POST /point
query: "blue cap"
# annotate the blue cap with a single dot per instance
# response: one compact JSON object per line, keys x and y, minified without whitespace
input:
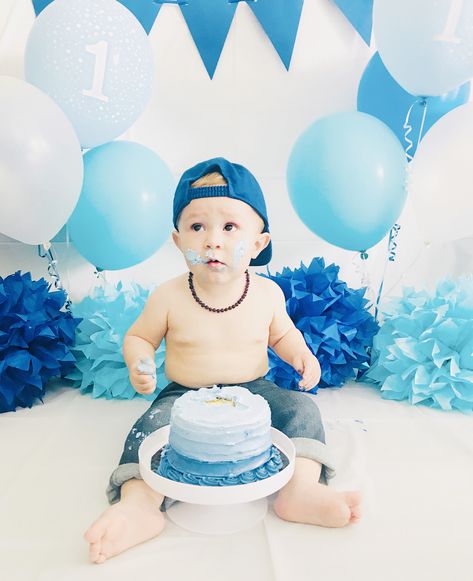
{"x":241,"y":185}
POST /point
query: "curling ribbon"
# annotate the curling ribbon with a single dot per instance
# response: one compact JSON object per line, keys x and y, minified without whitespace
{"x":392,"y":246}
{"x":408,"y":127}
{"x":45,"y":251}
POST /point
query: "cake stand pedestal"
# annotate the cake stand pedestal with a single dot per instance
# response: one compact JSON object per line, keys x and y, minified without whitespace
{"x":215,"y":509}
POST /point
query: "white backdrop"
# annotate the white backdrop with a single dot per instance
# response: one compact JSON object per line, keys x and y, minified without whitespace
{"x":251,"y":112}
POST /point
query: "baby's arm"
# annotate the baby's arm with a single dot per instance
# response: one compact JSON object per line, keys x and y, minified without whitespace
{"x":288,"y":343}
{"x":143,"y":338}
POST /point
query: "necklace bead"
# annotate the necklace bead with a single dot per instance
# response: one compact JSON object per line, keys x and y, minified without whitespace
{"x":213,"y":309}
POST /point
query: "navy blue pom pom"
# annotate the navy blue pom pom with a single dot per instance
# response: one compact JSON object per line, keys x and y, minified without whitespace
{"x":35,"y":339}
{"x":334,"y":320}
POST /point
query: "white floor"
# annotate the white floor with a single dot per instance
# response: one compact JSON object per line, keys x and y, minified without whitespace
{"x":413,"y":464}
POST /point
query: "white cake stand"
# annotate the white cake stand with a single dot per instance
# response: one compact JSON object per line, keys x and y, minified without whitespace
{"x":215,"y":509}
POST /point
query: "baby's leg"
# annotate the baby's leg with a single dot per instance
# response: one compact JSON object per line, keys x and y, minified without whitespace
{"x":304,"y":499}
{"x":135,"y":514}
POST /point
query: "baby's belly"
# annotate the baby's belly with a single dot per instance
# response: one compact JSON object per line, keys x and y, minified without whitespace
{"x":201,"y":370}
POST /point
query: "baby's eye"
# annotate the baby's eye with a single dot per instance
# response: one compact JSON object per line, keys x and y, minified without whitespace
{"x":229,"y":227}
{"x":196,"y":227}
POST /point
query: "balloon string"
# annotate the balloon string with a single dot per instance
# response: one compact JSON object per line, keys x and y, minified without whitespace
{"x":411,"y":265}
{"x":424,"y":105}
{"x":392,"y":247}
{"x":408,"y":127}
{"x":46,"y":251}
{"x":360,"y":263}
{"x":100,"y":274}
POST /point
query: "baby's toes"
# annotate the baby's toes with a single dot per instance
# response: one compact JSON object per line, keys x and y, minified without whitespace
{"x":94,"y":551}
{"x":355,"y":516}
{"x":100,"y":559}
{"x":353,"y":500}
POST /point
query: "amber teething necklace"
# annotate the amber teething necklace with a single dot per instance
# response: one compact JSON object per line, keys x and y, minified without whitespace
{"x":212,"y":309}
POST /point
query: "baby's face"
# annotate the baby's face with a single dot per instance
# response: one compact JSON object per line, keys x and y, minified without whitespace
{"x":219,"y":235}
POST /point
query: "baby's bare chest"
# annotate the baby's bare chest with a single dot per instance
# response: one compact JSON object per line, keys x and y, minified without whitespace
{"x":191,"y":325}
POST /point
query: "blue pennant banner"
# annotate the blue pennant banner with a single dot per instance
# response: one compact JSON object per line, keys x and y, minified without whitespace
{"x":209,"y":22}
{"x":280,"y":20}
{"x":360,"y":14}
{"x":144,"y":10}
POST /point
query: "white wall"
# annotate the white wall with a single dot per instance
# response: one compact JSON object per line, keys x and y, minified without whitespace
{"x":251,"y":112}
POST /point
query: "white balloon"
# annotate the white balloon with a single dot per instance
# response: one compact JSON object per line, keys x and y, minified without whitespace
{"x":41,"y":166}
{"x":441,"y":178}
{"x":426,"y":45}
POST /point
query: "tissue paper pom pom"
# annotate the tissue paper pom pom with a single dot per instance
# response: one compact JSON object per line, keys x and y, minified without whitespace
{"x":35,"y":339}
{"x":100,"y":368}
{"x":333,"y":319}
{"x":424,"y":350}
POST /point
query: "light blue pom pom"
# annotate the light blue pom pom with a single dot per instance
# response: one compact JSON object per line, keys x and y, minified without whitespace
{"x":424,"y":350}
{"x":100,"y":368}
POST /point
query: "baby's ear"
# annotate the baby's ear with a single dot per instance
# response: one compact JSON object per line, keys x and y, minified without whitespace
{"x":176,"y":238}
{"x":262,"y":240}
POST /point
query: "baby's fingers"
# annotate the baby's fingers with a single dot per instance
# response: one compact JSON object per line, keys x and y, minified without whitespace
{"x":308,"y":382}
{"x":143,"y":383}
{"x":147,"y":388}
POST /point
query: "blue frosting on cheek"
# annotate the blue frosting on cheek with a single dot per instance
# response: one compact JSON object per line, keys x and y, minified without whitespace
{"x":193,"y":257}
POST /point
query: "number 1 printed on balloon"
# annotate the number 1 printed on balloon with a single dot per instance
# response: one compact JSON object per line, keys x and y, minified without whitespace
{"x":100,"y":50}
{"x":449,"y":32}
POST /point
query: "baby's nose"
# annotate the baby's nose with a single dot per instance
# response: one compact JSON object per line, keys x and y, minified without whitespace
{"x":213,"y":242}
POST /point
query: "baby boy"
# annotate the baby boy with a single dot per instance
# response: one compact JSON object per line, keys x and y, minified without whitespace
{"x":218,"y":321}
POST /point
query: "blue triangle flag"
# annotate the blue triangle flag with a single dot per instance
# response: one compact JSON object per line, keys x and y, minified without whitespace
{"x":39,"y":5}
{"x":280,"y":20}
{"x":209,"y":22}
{"x":144,"y":10}
{"x":360,"y":14}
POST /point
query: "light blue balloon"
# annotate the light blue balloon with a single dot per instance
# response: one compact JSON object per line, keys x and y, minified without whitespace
{"x":124,"y":213}
{"x":381,"y":96}
{"x":346,"y":179}
{"x":95,"y":60}
{"x":426,"y":45}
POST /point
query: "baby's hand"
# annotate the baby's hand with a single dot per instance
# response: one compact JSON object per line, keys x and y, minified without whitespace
{"x":308,"y":366}
{"x":143,"y":376}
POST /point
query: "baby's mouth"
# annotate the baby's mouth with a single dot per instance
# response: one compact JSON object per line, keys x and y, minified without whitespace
{"x":214,"y":262}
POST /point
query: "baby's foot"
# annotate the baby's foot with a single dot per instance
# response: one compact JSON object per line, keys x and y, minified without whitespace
{"x":124,"y":525}
{"x":318,"y":505}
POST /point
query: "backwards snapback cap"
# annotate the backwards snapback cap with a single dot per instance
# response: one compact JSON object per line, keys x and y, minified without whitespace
{"x":241,"y":185}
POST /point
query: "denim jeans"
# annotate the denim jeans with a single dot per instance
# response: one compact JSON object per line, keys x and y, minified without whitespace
{"x":292,"y":412}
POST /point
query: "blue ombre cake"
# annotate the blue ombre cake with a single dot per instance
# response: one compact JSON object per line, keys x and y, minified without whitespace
{"x":220,"y":437}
